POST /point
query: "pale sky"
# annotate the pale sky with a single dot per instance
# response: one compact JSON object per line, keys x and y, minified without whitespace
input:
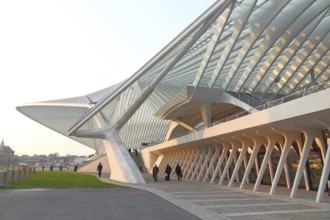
{"x":60,"y":49}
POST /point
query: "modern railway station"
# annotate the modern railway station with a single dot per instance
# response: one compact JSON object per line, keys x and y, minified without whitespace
{"x":239,"y":98}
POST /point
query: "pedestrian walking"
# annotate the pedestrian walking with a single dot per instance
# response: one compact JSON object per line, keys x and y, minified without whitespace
{"x":178,"y":171}
{"x":168,"y":171}
{"x":99,"y":169}
{"x":155,"y":170}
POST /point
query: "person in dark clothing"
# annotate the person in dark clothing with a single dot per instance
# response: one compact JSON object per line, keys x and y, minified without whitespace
{"x":178,"y":171}
{"x":155,"y":172}
{"x":168,"y":171}
{"x":99,"y":169}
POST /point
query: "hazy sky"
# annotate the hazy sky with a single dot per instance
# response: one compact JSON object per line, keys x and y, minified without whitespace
{"x":60,"y":49}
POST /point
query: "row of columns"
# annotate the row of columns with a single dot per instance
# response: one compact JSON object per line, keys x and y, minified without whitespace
{"x":210,"y":162}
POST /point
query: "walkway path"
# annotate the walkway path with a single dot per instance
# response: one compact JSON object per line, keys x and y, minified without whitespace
{"x":220,"y":202}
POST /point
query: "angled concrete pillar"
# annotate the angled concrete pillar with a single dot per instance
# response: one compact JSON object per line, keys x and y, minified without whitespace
{"x":123,"y":168}
{"x":245,"y":166}
{"x":234,"y":147}
{"x":206,"y":161}
{"x":246,"y":143}
{"x":193,"y":164}
{"x":309,"y":138}
{"x":326,"y":166}
{"x":199,"y":162}
{"x":214,"y":157}
{"x":235,"y":162}
{"x":189,"y":162}
{"x":319,"y":139}
{"x":300,"y":147}
{"x":206,"y":114}
{"x":177,"y":161}
{"x":222,"y":157}
{"x":271,"y":168}
{"x":258,"y":141}
{"x":272,"y":140}
{"x":174,"y":161}
{"x":289,"y":137}
{"x":162,"y":165}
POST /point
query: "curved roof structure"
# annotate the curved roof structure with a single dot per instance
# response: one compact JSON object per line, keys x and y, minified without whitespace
{"x":256,"y":51}
{"x":234,"y":57}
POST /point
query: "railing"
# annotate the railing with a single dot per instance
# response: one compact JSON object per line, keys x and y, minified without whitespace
{"x":15,"y":173}
{"x":296,"y":95}
{"x":248,"y":98}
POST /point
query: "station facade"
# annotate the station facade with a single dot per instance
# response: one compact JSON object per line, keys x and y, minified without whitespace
{"x":238,"y":97}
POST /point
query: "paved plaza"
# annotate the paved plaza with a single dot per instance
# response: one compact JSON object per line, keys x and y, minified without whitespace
{"x":220,"y":202}
{"x":87,"y":204}
{"x":161,"y":200}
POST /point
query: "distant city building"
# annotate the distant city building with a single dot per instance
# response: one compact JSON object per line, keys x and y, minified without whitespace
{"x":6,"y":155}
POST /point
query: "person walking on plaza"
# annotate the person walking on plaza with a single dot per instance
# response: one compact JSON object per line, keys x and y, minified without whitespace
{"x":75,"y":168}
{"x":178,"y":171}
{"x":168,"y":171}
{"x":99,"y":169}
{"x":155,"y":172}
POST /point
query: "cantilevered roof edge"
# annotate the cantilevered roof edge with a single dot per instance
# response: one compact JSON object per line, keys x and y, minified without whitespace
{"x":186,"y":32}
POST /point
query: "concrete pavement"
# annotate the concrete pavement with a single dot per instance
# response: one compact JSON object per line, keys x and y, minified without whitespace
{"x":211,"y":201}
{"x":87,"y":204}
{"x":161,"y":200}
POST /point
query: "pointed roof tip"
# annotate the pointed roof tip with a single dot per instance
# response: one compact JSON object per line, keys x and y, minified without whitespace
{"x":2,"y":143}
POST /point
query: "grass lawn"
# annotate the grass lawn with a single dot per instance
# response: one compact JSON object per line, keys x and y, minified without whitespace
{"x":58,"y":180}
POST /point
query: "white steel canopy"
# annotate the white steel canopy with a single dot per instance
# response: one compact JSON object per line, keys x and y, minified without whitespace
{"x":248,"y":51}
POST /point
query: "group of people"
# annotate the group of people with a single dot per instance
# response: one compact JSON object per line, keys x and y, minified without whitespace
{"x":168,"y":171}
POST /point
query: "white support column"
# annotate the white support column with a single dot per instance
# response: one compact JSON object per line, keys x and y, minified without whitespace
{"x":227,"y":171}
{"x":234,"y":147}
{"x":321,"y":144}
{"x":271,"y":168}
{"x":199,"y":162}
{"x":287,"y":174}
{"x":206,"y":114}
{"x":245,"y":166}
{"x":272,"y":140}
{"x":258,"y":141}
{"x":207,"y":160}
{"x":186,"y":160}
{"x":123,"y":168}
{"x":229,"y":162}
{"x":300,"y":147}
{"x":164,"y":161}
{"x":175,"y":162}
{"x":222,"y":157}
{"x":215,"y":156}
{"x":245,"y":145}
{"x":309,"y":138}
{"x":326,"y":167}
{"x":256,"y":164}
{"x":235,"y":162}
{"x":289,"y":137}
{"x":176,"y":159}
{"x":167,"y":158}
{"x":184,"y":156}
{"x":192,"y":166}
{"x":189,"y":162}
